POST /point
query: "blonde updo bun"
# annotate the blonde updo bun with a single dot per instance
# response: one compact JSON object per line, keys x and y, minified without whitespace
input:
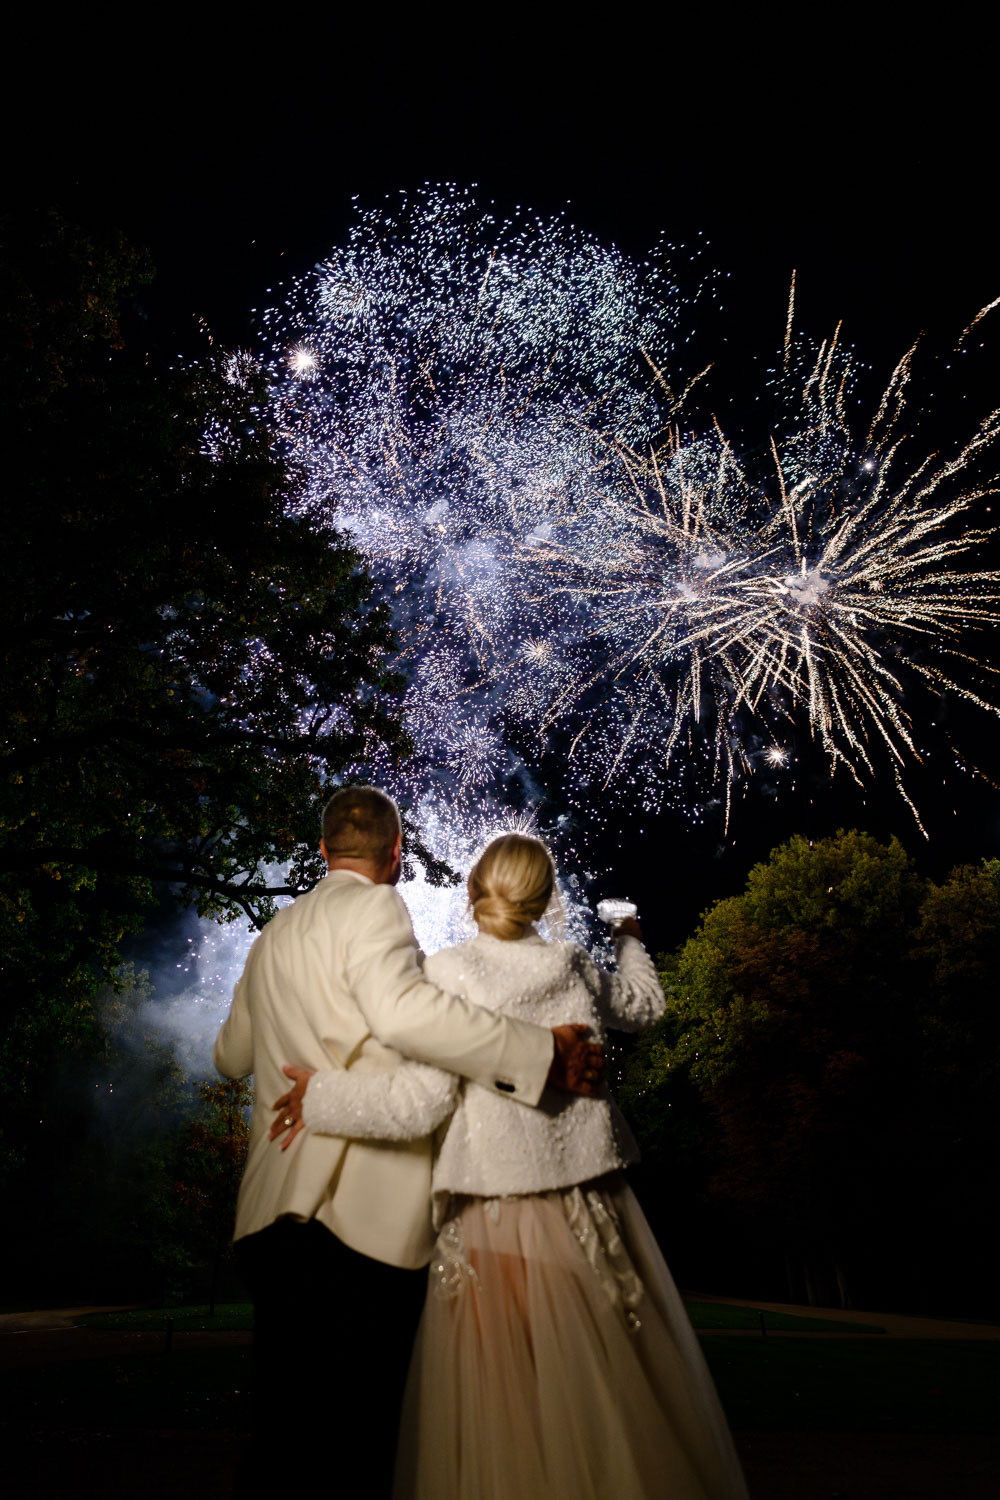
{"x":510,"y":885}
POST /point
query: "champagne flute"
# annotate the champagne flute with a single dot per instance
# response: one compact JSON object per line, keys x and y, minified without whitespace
{"x":614,"y":910}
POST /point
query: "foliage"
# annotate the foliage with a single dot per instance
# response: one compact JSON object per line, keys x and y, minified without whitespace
{"x":832,"y":1046}
{"x":956,"y":950}
{"x":191,"y":656}
{"x":135,"y":1166}
{"x":216,"y":1139}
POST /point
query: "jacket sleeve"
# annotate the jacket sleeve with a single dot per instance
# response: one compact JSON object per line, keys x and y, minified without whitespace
{"x":233,"y":1051}
{"x":632,"y":998}
{"x":402,"y":1104}
{"x":406,"y":1011}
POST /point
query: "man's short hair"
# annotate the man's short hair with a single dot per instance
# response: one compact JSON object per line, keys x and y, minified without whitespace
{"x":360,"y":822}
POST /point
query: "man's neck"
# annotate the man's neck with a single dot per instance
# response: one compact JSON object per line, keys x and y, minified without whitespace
{"x":375,"y":873}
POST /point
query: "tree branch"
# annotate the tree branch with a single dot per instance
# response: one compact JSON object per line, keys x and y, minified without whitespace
{"x":242,"y":892}
{"x":216,"y":737}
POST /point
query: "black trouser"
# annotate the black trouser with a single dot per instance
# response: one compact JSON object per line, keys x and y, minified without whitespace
{"x":333,"y":1332}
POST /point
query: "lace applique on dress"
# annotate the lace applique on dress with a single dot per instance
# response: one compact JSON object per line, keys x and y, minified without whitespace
{"x":451,"y":1270}
{"x":594,"y":1222}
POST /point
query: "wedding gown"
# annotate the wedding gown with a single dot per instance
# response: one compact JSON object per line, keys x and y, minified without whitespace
{"x":554,"y":1357}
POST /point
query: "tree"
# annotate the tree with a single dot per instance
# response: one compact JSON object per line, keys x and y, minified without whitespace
{"x":191,"y":655}
{"x":135,"y":1165}
{"x":795,"y":1020}
{"x":216,"y":1140}
{"x":98,"y":1212}
{"x":956,"y":954}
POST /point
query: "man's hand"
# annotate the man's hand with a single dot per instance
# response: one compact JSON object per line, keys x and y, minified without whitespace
{"x":629,"y":927}
{"x":577,"y":1065}
{"x":290,"y":1105}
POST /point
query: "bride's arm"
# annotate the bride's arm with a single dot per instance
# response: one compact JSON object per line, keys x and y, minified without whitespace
{"x":401,"y":1105}
{"x":398,"y":1105}
{"x":632,"y":998}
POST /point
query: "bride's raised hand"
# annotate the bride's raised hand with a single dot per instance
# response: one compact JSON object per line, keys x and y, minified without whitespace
{"x":289,"y":1123}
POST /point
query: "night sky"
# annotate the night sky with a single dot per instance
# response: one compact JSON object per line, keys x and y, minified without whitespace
{"x":862,"y":159}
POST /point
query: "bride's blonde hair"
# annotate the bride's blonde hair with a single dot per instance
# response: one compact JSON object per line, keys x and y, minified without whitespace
{"x":510,"y":885}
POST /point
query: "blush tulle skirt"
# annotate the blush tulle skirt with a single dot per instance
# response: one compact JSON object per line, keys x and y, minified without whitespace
{"x":555,"y":1361}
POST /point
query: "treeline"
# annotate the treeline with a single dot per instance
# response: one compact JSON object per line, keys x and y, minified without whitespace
{"x":190,"y":658}
{"x":818,"y":1108}
{"x":131,"y":1169}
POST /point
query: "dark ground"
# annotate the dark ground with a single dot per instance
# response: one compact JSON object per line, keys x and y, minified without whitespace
{"x":908,"y":1412}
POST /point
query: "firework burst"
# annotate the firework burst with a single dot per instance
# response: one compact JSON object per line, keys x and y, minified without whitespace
{"x":587,"y":593}
{"x":486,"y":404}
{"x":444,"y":380}
{"x":826,"y":589}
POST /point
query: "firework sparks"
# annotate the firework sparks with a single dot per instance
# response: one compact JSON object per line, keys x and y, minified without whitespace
{"x":716,"y":598}
{"x":484,"y":402}
{"x":474,"y":753}
{"x":444,"y":379}
{"x":302,"y":362}
{"x":489,"y":408}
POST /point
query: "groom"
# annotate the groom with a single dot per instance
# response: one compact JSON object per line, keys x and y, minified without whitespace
{"x":332,"y":1233}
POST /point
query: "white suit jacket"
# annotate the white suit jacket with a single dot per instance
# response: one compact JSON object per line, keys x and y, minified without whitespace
{"x":335,"y":981}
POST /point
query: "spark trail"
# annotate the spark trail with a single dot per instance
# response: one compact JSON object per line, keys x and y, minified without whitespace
{"x":490,"y":407}
{"x":444,"y":380}
{"x":715,"y":597}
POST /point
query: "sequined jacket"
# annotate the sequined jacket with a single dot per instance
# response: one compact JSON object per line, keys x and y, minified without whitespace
{"x":489,"y":1145}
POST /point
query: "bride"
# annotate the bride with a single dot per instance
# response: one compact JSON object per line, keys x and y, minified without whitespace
{"x":554,"y":1356}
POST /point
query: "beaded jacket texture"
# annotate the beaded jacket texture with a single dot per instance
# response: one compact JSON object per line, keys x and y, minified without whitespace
{"x":488,"y":1144}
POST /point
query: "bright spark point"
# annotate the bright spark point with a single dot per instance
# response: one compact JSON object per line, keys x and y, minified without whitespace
{"x":302,"y":362}
{"x":539,"y":652}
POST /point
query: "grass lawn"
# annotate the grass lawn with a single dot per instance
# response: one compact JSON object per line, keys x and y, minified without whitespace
{"x":855,"y":1385}
{"x":718,"y":1315}
{"x":234,"y":1316}
{"x":803,"y":1384}
{"x":195,"y":1389}
{"x":230,"y":1317}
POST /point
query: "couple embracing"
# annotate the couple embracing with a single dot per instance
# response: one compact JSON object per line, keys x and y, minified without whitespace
{"x":452,"y":1113}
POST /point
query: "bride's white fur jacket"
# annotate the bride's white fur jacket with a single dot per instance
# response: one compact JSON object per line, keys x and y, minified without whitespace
{"x":490,"y":1145}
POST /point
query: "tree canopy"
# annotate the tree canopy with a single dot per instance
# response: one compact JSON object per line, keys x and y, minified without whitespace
{"x":831,"y":1047}
{"x":191,"y":654}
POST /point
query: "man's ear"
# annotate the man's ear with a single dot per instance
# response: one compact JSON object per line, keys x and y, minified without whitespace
{"x":322,"y":850}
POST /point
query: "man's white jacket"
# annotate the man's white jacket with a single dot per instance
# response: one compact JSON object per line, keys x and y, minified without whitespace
{"x":335,"y":981}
